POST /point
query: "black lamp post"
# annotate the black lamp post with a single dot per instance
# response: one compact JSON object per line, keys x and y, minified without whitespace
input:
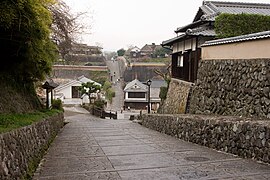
{"x":148,"y":83}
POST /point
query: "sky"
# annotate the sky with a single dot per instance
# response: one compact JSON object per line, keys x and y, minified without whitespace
{"x":116,"y":24}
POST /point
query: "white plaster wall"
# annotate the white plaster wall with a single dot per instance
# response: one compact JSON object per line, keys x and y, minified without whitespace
{"x":85,"y":100}
{"x":67,"y":92}
{"x":256,"y":49}
{"x":189,"y":44}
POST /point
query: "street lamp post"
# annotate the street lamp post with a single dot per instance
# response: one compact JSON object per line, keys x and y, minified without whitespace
{"x":148,"y":83}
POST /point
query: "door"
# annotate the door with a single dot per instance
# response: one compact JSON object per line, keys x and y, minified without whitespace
{"x":75,"y":92}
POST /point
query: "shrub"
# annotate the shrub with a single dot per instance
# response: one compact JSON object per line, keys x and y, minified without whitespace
{"x":110,"y":94}
{"x":99,"y":103}
{"x":57,"y":104}
{"x":229,"y":25}
{"x":106,"y":86}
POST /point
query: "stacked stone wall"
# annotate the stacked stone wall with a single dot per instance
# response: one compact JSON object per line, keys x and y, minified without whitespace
{"x":246,"y":137}
{"x":177,"y":97}
{"x":22,"y":149}
{"x":142,"y":73}
{"x":232,"y":87}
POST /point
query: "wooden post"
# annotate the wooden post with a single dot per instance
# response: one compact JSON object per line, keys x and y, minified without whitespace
{"x":47,"y":98}
{"x":51,"y":97}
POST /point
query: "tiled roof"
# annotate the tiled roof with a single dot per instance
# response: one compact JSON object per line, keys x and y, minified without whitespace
{"x":202,"y":24}
{"x":248,"y":37}
{"x":172,"y":40}
{"x":140,"y":87}
{"x":211,"y":9}
{"x":200,"y":31}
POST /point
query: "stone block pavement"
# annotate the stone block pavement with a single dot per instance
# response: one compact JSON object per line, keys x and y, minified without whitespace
{"x":93,"y":148}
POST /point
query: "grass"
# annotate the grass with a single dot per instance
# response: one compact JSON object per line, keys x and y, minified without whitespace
{"x":9,"y":122}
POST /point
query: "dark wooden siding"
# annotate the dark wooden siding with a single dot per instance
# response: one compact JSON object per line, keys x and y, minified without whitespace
{"x":190,"y":65}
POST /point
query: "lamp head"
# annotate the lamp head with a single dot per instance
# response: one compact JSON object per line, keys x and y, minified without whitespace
{"x":149,"y":82}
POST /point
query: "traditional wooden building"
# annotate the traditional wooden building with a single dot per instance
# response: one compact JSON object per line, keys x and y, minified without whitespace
{"x":148,"y":50}
{"x":133,"y":52}
{"x":136,"y":94}
{"x":84,"y":49}
{"x":186,"y":45}
{"x":69,"y":92}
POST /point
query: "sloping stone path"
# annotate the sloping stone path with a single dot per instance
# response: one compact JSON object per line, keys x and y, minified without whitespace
{"x":92,"y":148}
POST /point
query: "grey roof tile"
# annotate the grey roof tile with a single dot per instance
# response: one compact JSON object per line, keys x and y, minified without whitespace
{"x":216,"y":7}
{"x":248,"y":37}
{"x":200,"y":31}
{"x":209,"y":11}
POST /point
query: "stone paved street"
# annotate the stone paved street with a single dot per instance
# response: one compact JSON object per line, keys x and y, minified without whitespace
{"x":92,"y":148}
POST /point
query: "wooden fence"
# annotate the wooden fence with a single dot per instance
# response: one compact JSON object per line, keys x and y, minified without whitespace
{"x":103,"y":114}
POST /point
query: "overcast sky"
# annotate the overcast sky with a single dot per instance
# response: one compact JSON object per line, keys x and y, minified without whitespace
{"x":117,"y":24}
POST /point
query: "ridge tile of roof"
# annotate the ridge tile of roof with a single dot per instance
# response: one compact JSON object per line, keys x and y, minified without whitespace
{"x":248,"y":37}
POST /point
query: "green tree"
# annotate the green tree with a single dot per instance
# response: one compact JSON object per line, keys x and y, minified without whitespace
{"x":106,"y":86}
{"x":110,"y":93}
{"x":25,"y":45}
{"x":121,"y":52}
{"x":89,"y":88}
{"x":229,"y":25}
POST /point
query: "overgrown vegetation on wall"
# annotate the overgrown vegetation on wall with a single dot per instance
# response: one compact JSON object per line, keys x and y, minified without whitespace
{"x":26,"y":48}
{"x":17,"y":97}
{"x":27,"y":52}
{"x":229,"y":25}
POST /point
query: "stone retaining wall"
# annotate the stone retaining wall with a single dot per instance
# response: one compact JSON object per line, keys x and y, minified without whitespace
{"x":232,"y":87}
{"x":245,"y":137}
{"x":177,"y":97}
{"x":22,"y":149}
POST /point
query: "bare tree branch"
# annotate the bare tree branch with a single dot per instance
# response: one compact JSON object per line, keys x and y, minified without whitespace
{"x":167,"y":75}
{"x":65,"y":27}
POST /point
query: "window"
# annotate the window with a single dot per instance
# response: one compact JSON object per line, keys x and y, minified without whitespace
{"x":180,"y":60}
{"x":136,"y":95}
